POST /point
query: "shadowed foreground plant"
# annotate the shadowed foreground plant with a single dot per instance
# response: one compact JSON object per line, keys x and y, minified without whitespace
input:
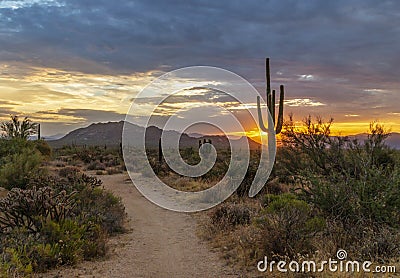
{"x":19,"y":129}
{"x":288,"y":225}
{"x":28,"y":208}
{"x":230,"y":215}
{"x":19,"y":168}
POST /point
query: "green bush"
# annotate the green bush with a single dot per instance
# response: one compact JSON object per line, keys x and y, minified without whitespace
{"x":101,"y":207}
{"x":354,"y":184}
{"x":58,"y":243}
{"x":12,"y":146}
{"x":43,"y":147}
{"x":18,"y":168}
{"x":56,"y":221}
{"x":288,"y":225}
{"x":355,"y":181}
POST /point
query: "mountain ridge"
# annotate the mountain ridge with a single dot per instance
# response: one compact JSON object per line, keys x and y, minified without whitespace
{"x":110,"y":134}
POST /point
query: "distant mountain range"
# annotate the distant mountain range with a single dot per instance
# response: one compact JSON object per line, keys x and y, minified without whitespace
{"x":110,"y":134}
{"x":393,"y":140}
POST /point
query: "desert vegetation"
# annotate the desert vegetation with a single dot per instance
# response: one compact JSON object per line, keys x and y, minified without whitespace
{"x":50,"y":214}
{"x":102,"y":160}
{"x":326,"y":193}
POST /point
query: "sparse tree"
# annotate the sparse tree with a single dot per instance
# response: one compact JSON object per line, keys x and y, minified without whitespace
{"x":15,"y":128}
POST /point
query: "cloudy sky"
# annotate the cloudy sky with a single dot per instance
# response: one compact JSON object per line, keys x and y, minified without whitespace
{"x":69,"y":63}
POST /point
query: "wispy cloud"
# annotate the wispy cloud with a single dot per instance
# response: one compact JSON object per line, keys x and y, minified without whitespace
{"x":19,"y":4}
{"x":305,"y":102}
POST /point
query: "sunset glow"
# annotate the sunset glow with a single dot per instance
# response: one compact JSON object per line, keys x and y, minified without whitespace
{"x":63,"y":79}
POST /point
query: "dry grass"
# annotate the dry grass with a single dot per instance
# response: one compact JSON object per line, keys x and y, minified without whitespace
{"x":3,"y":192}
{"x":184,"y":183}
{"x":243,"y":246}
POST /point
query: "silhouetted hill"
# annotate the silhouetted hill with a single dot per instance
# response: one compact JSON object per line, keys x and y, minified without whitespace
{"x":392,"y":141}
{"x":110,"y":134}
{"x":95,"y":134}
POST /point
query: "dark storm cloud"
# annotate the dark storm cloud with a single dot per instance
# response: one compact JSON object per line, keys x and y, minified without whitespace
{"x":346,"y":46}
{"x":143,"y":35}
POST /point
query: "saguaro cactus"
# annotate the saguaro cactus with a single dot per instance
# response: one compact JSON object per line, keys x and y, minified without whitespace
{"x":160,"y":152}
{"x":38,"y":132}
{"x":271,"y":103}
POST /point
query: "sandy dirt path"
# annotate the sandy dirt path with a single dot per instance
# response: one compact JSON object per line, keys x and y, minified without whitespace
{"x":159,"y":243}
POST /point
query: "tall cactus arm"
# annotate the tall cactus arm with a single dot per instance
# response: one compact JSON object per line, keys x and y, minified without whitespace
{"x":272,"y":108}
{"x":268,"y":76}
{"x":271,"y":96}
{"x":279,"y":123}
{"x":260,"y":119}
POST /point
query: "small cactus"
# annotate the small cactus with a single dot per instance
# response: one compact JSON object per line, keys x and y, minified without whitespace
{"x":271,"y":103}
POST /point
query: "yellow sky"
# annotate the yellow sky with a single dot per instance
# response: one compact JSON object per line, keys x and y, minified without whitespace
{"x":53,"y":96}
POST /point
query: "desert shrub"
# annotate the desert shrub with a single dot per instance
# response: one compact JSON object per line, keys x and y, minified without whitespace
{"x":345,"y":178}
{"x":356,"y":183}
{"x":59,"y":220}
{"x":244,"y":187}
{"x":17,"y":168}
{"x":113,"y":171}
{"x":379,"y":244}
{"x":230,"y":215}
{"x":58,"y":243}
{"x":288,"y":225}
{"x":96,"y":165}
{"x":43,"y":147}
{"x":112,"y":160}
{"x":12,"y":146}
{"x":68,"y":171}
{"x":101,"y":207}
{"x":110,"y":157}
{"x":91,"y":201}
{"x":27,"y":208}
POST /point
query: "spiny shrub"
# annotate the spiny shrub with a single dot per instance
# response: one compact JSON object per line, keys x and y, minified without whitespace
{"x":230,"y":215}
{"x":91,"y":201}
{"x":108,"y":156}
{"x":57,"y":221}
{"x":288,"y":224}
{"x":103,"y":208}
{"x":68,"y":171}
{"x":27,"y":208}
{"x":96,"y":165}
{"x":58,"y":243}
